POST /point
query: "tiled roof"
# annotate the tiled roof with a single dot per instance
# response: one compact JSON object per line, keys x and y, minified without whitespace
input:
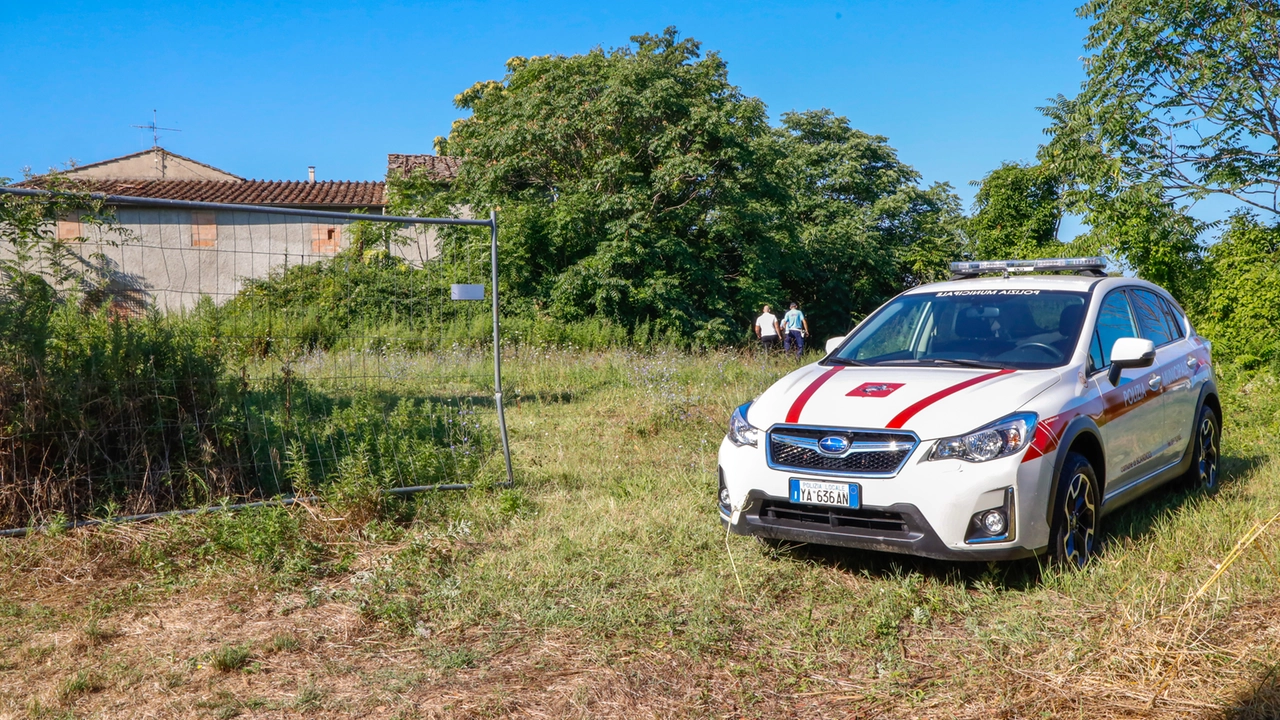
{"x":441,"y":168}
{"x":331,"y":193}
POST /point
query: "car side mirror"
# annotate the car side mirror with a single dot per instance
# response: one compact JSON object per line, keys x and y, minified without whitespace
{"x":1130,"y":352}
{"x":833,"y":343}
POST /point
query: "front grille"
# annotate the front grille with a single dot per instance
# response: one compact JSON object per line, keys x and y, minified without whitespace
{"x":873,"y":453}
{"x":779,"y":512}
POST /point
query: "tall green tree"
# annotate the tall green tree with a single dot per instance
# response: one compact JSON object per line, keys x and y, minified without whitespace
{"x":1183,"y":94}
{"x":863,"y":226}
{"x":1016,"y":213}
{"x":635,"y":184}
{"x":639,"y":185}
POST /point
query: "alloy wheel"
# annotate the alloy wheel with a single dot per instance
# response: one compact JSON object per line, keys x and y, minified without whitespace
{"x":1208,"y":453}
{"x":1079,"y":542}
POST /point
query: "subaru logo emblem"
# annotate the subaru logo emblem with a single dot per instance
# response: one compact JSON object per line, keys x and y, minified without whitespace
{"x":833,"y":445}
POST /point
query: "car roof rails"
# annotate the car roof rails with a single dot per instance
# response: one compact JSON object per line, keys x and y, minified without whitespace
{"x":1088,"y":266}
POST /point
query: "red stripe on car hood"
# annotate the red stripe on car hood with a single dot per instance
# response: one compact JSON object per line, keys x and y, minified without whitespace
{"x":793,"y":415}
{"x":901,"y":418}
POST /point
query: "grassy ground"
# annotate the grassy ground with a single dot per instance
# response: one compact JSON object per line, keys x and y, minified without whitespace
{"x":603,"y":585}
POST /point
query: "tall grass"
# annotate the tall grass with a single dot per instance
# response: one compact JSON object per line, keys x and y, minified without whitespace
{"x":102,"y":411}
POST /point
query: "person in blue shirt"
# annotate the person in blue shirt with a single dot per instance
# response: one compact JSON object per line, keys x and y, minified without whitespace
{"x":795,"y":328}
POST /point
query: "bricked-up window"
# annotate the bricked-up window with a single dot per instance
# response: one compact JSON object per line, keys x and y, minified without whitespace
{"x":325,"y":239}
{"x":204,"y":229}
{"x":70,"y":227}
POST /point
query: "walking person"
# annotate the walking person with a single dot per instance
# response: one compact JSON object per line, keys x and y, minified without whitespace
{"x":767,"y":329}
{"x":795,"y":329}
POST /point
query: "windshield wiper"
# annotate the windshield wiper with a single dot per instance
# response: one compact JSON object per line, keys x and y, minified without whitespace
{"x":845,"y":361}
{"x":970,"y":363}
{"x":952,"y":361}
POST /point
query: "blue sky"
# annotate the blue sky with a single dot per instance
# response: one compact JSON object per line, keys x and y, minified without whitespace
{"x":266,"y":89}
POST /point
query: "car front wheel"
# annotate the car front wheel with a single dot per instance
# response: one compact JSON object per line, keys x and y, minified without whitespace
{"x":1077,"y":533}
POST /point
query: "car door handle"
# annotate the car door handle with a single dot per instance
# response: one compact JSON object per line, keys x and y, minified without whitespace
{"x":1193,"y":363}
{"x":1155,"y":382}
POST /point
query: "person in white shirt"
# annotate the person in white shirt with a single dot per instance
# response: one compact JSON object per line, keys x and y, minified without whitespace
{"x":795,"y":327}
{"x":767,"y":329}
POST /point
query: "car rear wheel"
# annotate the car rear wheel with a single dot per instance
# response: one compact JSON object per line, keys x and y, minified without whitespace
{"x":1206,"y":451}
{"x":1077,"y":536}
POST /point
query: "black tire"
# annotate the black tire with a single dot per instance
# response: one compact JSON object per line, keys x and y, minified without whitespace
{"x":1077,"y":530}
{"x":1206,"y":452}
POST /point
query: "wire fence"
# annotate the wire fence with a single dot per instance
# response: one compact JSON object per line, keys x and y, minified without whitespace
{"x":169,"y":355}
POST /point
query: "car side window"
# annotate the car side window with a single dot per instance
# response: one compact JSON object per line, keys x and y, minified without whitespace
{"x":1152,"y":317}
{"x":1115,"y":321}
{"x":1175,"y":319}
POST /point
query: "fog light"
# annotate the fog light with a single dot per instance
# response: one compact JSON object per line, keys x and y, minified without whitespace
{"x":993,"y":522}
{"x":724,"y":496}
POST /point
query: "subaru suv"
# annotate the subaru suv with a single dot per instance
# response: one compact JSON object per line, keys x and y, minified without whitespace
{"x":995,"y":416}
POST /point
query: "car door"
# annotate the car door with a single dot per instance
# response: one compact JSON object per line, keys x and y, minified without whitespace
{"x":1131,"y":418}
{"x":1169,"y":376}
{"x":1176,"y":365}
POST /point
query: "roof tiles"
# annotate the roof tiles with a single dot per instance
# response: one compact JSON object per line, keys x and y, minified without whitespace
{"x":331,"y":193}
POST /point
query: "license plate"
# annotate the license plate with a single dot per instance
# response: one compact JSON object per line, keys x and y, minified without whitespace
{"x":817,"y":492}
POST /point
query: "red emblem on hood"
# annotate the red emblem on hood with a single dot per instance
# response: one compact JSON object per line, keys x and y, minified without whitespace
{"x":874,"y":389}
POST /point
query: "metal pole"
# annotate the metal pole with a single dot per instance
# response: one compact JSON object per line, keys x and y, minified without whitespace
{"x":497,"y":346}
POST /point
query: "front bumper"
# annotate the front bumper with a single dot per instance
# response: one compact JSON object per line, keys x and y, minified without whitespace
{"x":898,"y":528}
{"x":924,"y":509}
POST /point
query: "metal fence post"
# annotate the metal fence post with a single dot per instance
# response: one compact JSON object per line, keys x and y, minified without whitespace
{"x":497,"y":346}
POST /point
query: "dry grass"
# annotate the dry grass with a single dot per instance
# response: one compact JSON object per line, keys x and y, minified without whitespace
{"x":602,"y":587}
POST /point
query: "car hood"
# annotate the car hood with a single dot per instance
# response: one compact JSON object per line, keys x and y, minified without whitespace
{"x":933,"y":402}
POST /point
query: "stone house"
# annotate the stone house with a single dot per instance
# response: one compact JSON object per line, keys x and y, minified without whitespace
{"x":170,"y":257}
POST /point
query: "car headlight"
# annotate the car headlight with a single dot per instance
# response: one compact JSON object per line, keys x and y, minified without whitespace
{"x":999,"y":439}
{"x":742,"y":432}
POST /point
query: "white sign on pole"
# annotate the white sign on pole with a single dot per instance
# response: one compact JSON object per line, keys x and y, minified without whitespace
{"x":466,"y":292}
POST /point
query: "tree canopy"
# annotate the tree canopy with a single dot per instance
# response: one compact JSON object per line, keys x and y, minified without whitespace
{"x":1016,"y":213}
{"x":1183,"y":94}
{"x":639,"y":185}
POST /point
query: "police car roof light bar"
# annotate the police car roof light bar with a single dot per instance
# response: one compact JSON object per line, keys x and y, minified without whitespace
{"x":1093,"y":266}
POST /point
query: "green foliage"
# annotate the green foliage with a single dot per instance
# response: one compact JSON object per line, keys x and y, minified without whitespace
{"x":1179,"y":103}
{"x":100,"y":410}
{"x":1131,"y":220}
{"x":1240,"y":308}
{"x":863,"y":227}
{"x":639,"y":187}
{"x":230,"y":658}
{"x":1016,"y":214}
{"x":635,"y":184}
{"x":1181,"y":94}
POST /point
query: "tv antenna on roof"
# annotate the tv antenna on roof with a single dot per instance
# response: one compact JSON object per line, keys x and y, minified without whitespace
{"x":155,"y":130}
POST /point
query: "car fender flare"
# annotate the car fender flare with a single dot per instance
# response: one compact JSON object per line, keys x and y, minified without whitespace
{"x":1081,"y":425}
{"x":1209,"y":388}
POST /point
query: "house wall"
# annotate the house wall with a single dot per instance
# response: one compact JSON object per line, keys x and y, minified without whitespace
{"x":170,"y":262}
{"x":153,"y":165}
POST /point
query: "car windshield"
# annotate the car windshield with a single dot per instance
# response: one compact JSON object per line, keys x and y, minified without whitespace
{"x":1021,"y":329}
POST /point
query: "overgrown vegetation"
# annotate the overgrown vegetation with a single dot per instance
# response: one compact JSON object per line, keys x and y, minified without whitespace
{"x":603,"y":585}
{"x":638,"y":186}
{"x":105,"y":410}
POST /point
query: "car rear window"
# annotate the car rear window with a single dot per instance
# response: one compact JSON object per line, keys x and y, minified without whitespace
{"x":1153,"y":317}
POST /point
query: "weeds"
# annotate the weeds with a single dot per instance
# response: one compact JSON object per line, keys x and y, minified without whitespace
{"x":601,"y":584}
{"x":82,"y":683}
{"x":230,"y":658}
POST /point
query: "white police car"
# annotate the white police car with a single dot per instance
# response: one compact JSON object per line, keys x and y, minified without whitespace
{"x":983,"y":418}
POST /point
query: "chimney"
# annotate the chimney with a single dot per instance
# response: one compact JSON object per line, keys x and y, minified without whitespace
{"x":311,"y":173}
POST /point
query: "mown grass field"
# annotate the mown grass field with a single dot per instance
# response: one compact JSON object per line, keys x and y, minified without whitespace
{"x":603,"y":585}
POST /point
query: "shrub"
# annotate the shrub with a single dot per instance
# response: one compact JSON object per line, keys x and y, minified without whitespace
{"x":102,"y":410}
